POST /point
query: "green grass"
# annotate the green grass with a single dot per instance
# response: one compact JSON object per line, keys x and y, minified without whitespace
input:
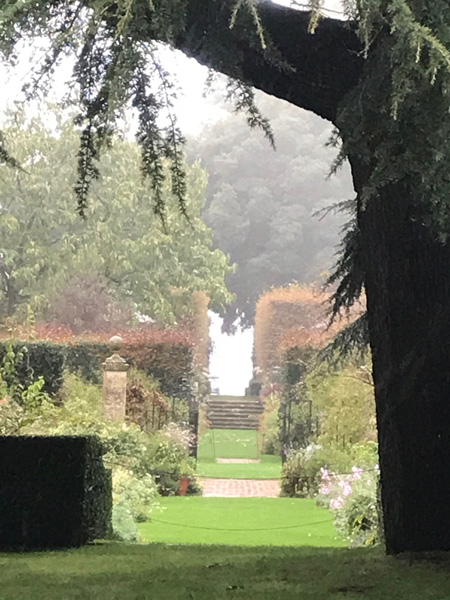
{"x":253,"y":521}
{"x":268,"y":468}
{"x":229,"y":443}
{"x":159,"y":572}
{"x":235,"y":443}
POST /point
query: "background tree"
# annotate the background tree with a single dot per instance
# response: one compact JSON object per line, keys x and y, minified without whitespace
{"x":262,"y":205}
{"x":120,"y":260}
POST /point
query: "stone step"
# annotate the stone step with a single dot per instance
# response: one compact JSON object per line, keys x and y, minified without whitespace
{"x":234,"y":411}
{"x":233,"y":426}
{"x":252,"y":422}
{"x":234,"y":419}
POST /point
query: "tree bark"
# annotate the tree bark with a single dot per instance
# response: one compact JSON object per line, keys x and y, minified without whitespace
{"x":408,"y":289}
{"x":319,"y":68}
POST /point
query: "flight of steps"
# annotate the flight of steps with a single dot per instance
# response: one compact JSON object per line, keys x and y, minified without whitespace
{"x":234,"y":412}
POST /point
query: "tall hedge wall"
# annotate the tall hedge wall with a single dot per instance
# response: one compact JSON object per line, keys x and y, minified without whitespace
{"x":54,"y":492}
{"x":169,"y":363}
{"x":40,"y":359}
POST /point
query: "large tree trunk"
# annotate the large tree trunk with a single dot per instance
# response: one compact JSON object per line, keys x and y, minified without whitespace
{"x":407,"y":269}
{"x":407,"y":281}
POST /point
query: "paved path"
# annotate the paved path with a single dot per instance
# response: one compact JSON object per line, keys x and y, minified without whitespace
{"x":240,"y":488}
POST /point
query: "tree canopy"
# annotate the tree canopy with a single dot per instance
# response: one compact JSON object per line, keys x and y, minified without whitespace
{"x":267,"y":208}
{"x":120,"y":256}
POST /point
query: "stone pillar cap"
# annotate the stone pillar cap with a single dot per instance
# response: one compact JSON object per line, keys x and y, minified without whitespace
{"x":115,"y":363}
{"x":115,"y":342}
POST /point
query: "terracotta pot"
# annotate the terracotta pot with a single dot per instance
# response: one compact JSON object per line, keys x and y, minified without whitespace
{"x":184,"y":482}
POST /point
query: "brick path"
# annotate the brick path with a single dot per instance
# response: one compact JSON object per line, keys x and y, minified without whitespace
{"x":240,"y":488}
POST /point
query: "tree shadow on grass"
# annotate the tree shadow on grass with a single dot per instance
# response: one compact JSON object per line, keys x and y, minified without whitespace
{"x":157,"y":571}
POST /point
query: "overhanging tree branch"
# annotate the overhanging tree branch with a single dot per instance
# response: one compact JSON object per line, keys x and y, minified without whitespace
{"x":317,"y":69}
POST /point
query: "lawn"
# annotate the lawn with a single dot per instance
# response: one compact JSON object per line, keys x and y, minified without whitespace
{"x":159,"y":572}
{"x":241,"y":521}
{"x":235,"y":443}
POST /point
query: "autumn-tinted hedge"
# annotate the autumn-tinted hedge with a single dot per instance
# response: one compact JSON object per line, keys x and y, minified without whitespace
{"x":54,"y":492}
{"x":282,"y":310}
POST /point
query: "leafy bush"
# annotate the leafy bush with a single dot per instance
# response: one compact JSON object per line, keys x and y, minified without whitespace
{"x":269,"y":423}
{"x":137,"y":494}
{"x":138,"y":460}
{"x":345,"y":402}
{"x":19,"y":405}
{"x":168,"y":455}
{"x":133,"y":499}
{"x":148,"y":407}
{"x":301,"y":473}
{"x":124,"y":528}
{"x":352,"y":497}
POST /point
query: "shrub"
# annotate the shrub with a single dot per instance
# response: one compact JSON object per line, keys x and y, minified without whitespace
{"x":123,"y":446}
{"x":124,"y":528}
{"x":170,"y":363}
{"x":269,"y":423}
{"x":133,"y":500}
{"x":345,"y":402}
{"x":301,"y":473}
{"x":86,"y":359}
{"x":148,"y":407}
{"x":168,"y":458}
{"x":67,"y":476}
{"x":352,"y":497}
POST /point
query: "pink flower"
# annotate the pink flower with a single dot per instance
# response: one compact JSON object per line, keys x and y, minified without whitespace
{"x":346,"y":487}
{"x":356,"y":473}
{"x":325,"y":474}
{"x":337,"y":502}
{"x":325,"y":490}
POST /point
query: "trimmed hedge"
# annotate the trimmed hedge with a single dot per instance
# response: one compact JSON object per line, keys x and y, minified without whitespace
{"x":54,"y":492}
{"x":40,"y":359}
{"x":171,"y":364}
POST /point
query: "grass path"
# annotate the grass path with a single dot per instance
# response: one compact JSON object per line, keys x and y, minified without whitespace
{"x":159,"y":572}
{"x":241,"y":521}
{"x":235,"y":443}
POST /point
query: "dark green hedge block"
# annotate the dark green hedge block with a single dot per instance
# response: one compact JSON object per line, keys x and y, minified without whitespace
{"x":86,"y":360}
{"x":54,"y":492}
{"x":40,"y":359}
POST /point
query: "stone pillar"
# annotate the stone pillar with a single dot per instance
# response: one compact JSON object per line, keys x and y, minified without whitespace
{"x":115,"y":382}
